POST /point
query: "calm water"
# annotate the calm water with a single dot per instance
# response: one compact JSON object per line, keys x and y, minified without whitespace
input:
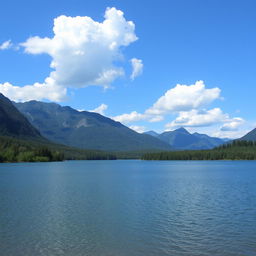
{"x":116,"y":208}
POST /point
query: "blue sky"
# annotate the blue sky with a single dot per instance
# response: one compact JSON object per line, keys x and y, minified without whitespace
{"x":171,"y":42}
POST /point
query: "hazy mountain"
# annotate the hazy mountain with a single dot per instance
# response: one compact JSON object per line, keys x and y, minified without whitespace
{"x":152,"y":133}
{"x":181,"y":139}
{"x":85,"y":129}
{"x":13,"y":123}
{"x":211,"y":141}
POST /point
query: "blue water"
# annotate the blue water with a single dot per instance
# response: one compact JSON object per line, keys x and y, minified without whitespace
{"x":119,"y":208}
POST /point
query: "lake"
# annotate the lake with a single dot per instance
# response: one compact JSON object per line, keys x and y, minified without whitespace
{"x":128,"y":208}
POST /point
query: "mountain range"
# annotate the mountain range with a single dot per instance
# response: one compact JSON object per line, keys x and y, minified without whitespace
{"x":86,"y":130}
{"x":47,"y":122}
{"x":181,"y":139}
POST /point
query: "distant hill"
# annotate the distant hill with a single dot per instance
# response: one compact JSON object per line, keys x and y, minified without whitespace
{"x":181,"y":139}
{"x":86,"y":129}
{"x":13,"y":123}
{"x":250,"y":136}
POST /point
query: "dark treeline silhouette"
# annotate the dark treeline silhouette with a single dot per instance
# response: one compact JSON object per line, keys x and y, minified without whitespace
{"x":235,"y":150}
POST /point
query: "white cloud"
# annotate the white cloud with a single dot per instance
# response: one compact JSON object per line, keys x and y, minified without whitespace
{"x":155,"y":119}
{"x":230,"y":134}
{"x":206,"y":118}
{"x":134,"y":116}
{"x":6,"y":45}
{"x":184,"y":98}
{"x":177,"y":99}
{"x":128,"y":118}
{"x":215,"y":131}
{"x":189,"y":103}
{"x":137,"y":68}
{"x":33,"y":92}
{"x":84,"y":52}
{"x":196,"y":118}
{"x":139,"y":129}
{"x":237,"y":127}
{"x":100,"y":109}
{"x":233,"y":125}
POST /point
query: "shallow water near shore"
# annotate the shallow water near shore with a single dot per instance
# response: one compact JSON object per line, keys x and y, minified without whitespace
{"x":128,"y":207}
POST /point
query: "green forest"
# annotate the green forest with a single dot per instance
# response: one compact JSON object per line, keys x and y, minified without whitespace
{"x":235,"y":150}
{"x":19,"y":150}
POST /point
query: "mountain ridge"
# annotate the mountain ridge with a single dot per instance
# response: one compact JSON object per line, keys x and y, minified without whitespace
{"x":85,"y":129}
{"x":250,"y":136}
{"x":181,"y":139}
{"x":13,"y":123}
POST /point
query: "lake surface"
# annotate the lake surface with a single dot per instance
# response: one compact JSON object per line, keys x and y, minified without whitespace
{"x":119,"y":208}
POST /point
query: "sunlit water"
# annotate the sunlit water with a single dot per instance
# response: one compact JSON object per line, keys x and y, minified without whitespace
{"x":117,"y":208}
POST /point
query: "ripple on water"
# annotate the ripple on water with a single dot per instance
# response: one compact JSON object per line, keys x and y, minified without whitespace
{"x":128,"y":208}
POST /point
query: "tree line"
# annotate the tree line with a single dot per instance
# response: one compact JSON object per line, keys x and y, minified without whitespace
{"x":235,"y":150}
{"x":19,"y":150}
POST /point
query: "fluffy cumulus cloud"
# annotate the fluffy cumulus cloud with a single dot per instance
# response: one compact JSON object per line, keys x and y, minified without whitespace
{"x":84,"y":52}
{"x":224,"y":125}
{"x":131,"y":117}
{"x":184,"y":98}
{"x":189,"y":104}
{"x":37,"y":91}
{"x":198,"y":118}
{"x":100,"y":109}
{"x":177,"y":99}
{"x":137,"y":68}
{"x":232,"y":134}
{"x":6,"y":45}
{"x":233,"y":124}
{"x":155,"y":119}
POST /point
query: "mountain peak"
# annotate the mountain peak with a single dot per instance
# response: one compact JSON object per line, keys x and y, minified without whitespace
{"x":182,"y":129}
{"x":181,"y":139}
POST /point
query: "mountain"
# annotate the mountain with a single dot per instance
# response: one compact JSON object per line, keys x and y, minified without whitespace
{"x":250,"y":136}
{"x":181,"y":139}
{"x":13,"y":123}
{"x":86,"y":130}
{"x":152,"y":133}
{"x":21,"y":142}
{"x":211,"y":141}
